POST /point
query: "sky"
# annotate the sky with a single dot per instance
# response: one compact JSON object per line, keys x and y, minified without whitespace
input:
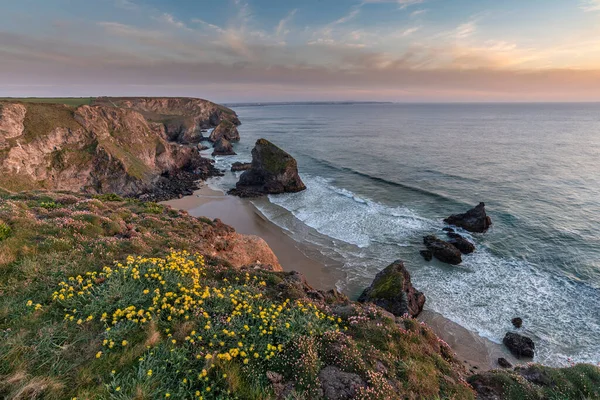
{"x":309,"y":50}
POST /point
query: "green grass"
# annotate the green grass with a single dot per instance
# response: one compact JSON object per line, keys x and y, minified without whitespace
{"x":46,"y":352}
{"x":69,"y":101}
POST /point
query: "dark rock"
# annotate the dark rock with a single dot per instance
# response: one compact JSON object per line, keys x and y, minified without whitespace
{"x":202,"y":147}
{"x":517,"y":322}
{"x":225,"y":130}
{"x":339,"y":385}
{"x":504,"y":363}
{"x":474,"y":220}
{"x":240,"y":166}
{"x":461,"y":243}
{"x":222,"y":147}
{"x":519,"y":345}
{"x":447,"y":229}
{"x":443,"y":251}
{"x":273,"y":171}
{"x":427,"y":255}
{"x":393,"y":291}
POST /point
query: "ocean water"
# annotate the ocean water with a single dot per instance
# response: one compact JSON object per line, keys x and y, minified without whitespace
{"x":381,"y":176}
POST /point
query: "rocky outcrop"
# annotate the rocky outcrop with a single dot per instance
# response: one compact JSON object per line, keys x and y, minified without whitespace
{"x":504,"y":363}
{"x":339,"y":385}
{"x":443,"y":251}
{"x":226,"y":130}
{"x":519,"y":345}
{"x":184,"y":119}
{"x":462,"y":244}
{"x":517,"y":322}
{"x":240,"y":166}
{"x":273,"y":171}
{"x":93,"y":149}
{"x":474,"y":220}
{"x":223,"y":148}
{"x":393,"y":291}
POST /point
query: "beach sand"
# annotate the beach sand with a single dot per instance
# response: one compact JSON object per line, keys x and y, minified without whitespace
{"x":477,"y":353}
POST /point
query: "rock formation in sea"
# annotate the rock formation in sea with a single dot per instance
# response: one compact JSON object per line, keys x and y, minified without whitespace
{"x":474,"y":220}
{"x":226,"y":130}
{"x":519,"y":345}
{"x":393,"y":291}
{"x":443,"y":251}
{"x":240,"y":166}
{"x":273,"y":171}
{"x":223,"y":147}
{"x":517,"y":322}
{"x":127,"y":146}
{"x":461,"y":243}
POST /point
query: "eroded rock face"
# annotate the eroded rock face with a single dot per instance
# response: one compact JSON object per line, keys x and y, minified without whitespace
{"x":443,"y":251}
{"x":273,"y":171}
{"x":339,"y":385}
{"x":226,"y":130}
{"x":519,"y":345}
{"x":474,"y":220}
{"x":92,"y":149}
{"x":223,"y":148}
{"x":393,"y":291}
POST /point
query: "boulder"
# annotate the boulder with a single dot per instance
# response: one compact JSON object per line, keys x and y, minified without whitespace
{"x":474,"y":220}
{"x":517,"y":322}
{"x":519,"y":345}
{"x":427,"y":255}
{"x":272,"y":171}
{"x":240,"y":166}
{"x":339,"y":385}
{"x":504,"y":363}
{"x":225,"y":130}
{"x":462,"y":244}
{"x":443,"y":251}
{"x":393,"y":291}
{"x":223,"y":148}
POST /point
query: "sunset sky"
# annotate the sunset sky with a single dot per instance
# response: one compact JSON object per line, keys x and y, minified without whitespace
{"x":275,"y":50}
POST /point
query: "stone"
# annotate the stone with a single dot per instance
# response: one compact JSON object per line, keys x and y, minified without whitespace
{"x":519,"y":345}
{"x":461,"y":243}
{"x":339,"y":385}
{"x":223,"y":147}
{"x":225,"y":130}
{"x":240,"y":166}
{"x":517,"y":322}
{"x":393,"y":291}
{"x":504,"y":363}
{"x":474,"y":220}
{"x":443,"y":251}
{"x":427,"y":255}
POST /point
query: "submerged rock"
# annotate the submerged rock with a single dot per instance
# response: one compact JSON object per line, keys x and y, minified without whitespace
{"x":427,"y":254}
{"x":225,"y":130}
{"x":240,"y":166}
{"x":272,"y":171}
{"x":393,"y":291}
{"x":223,"y":148}
{"x":519,"y":345}
{"x":517,"y":322}
{"x":462,"y":244}
{"x":474,"y":220}
{"x":443,"y":251}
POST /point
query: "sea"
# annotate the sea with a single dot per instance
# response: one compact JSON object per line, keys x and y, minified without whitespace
{"x":381,"y":176}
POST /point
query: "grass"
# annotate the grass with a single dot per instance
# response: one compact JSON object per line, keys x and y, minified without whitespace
{"x":95,"y":305}
{"x":69,"y":101}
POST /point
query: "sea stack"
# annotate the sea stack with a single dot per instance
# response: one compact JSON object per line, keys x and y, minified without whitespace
{"x":272,"y":171}
{"x":393,"y":291}
{"x":474,"y":220}
{"x":225,"y":130}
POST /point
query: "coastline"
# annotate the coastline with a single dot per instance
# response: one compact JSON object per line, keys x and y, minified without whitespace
{"x":477,"y":353}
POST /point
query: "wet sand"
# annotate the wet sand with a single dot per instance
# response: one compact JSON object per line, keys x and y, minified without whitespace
{"x":477,"y":353}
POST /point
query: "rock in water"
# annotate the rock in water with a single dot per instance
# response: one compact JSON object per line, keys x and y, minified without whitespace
{"x":443,"y":251}
{"x":226,"y":130}
{"x":504,"y":363}
{"x":426,"y":254}
{"x":393,"y":291}
{"x":223,"y":148}
{"x":240,"y":166}
{"x":474,"y":220}
{"x":517,"y":322}
{"x":519,"y":345}
{"x":273,"y":171}
{"x":461,"y":243}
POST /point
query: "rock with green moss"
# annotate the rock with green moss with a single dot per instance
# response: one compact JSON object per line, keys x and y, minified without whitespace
{"x":273,"y":171}
{"x":225,"y":130}
{"x":393,"y":291}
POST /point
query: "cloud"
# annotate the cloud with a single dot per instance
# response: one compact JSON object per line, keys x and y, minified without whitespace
{"x":416,"y":13}
{"x":590,"y":5}
{"x":402,"y":3}
{"x":170,"y":20}
{"x":281,"y":30}
{"x":126,"y":5}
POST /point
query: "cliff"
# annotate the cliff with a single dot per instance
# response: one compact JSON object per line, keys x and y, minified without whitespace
{"x":127,"y":146}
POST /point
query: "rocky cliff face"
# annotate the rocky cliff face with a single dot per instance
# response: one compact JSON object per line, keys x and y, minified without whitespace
{"x":124,"y":146}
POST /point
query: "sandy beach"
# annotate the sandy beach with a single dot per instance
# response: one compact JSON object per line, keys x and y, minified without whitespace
{"x":476,"y":352}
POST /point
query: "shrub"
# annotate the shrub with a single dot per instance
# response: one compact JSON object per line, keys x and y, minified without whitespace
{"x":4,"y":231}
